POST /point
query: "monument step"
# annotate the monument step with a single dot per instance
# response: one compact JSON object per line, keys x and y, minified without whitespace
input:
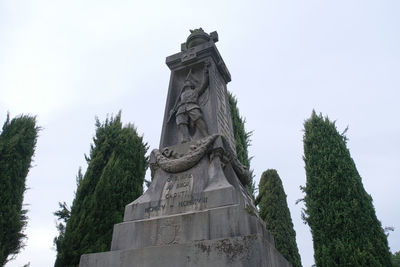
{"x":244,"y":251}
{"x":222,"y":222}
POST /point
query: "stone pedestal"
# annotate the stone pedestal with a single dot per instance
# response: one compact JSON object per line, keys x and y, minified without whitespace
{"x":202,"y":216}
{"x":197,"y":210}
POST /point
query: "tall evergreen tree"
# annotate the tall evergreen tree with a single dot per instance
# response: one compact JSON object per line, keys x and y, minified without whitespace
{"x":17,"y":146}
{"x":242,"y":138}
{"x":274,"y":211}
{"x":114,"y":177}
{"x":396,"y":259}
{"x":340,"y":213}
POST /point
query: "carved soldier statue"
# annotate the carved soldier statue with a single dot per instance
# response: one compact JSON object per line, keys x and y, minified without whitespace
{"x":187,"y":110}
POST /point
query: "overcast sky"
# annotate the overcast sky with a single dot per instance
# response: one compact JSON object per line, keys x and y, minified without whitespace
{"x":69,"y":61}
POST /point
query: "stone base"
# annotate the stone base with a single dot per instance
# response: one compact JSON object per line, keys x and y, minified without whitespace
{"x":223,"y":222}
{"x":226,"y":236}
{"x":245,"y":251}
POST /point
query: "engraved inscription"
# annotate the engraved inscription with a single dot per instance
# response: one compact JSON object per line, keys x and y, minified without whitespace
{"x":177,"y":194}
{"x":154,"y":208}
{"x":192,"y":201}
{"x":178,"y":186}
{"x":223,"y":112}
{"x":189,"y":55}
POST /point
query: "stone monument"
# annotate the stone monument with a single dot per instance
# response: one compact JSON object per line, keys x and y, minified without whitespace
{"x":197,"y":210}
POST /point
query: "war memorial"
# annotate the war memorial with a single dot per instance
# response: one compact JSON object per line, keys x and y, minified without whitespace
{"x":197,"y":210}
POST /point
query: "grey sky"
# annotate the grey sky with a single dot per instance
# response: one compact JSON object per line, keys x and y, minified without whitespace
{"x":68,"y":61}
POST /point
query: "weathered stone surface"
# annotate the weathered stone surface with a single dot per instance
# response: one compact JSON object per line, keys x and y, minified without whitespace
{"x":211,"y":183}
{"x":223,"y":222}
{"x":197,"y":210}
{"x":243,"y":251}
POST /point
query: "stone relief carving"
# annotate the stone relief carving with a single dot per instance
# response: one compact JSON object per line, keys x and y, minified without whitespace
{"x":188,"y":114}
{"x":168,"y":232}
{"x":182,"y":157}
{"x":172,"y":161}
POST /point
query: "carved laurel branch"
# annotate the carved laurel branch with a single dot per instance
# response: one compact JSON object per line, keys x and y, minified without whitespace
{"x":187,"y":161}
{"x":167,"y":162}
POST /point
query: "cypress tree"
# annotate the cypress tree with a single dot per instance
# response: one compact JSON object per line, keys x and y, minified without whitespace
{"x":340,"y":213}
{"x":242,"y":138}
{"x":17,"y":146}
{"x":396,"y":259}
{"x":274,"y":211}
{"x":114,"y":177}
